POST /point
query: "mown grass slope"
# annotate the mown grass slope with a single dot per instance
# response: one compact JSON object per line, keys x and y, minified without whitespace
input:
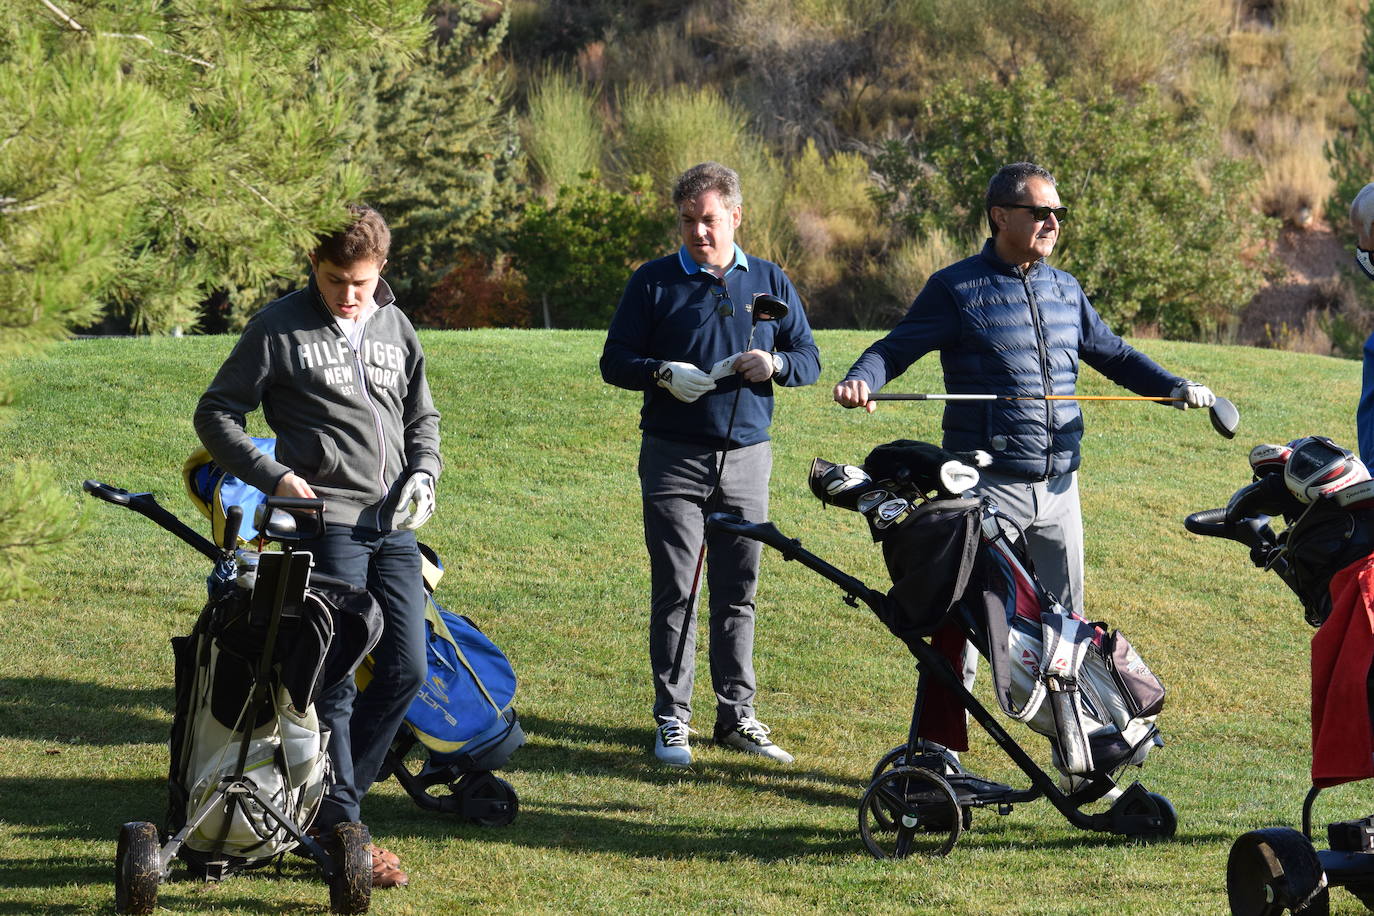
{"x":538,"y":523}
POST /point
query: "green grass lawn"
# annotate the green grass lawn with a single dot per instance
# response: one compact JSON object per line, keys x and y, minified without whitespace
{"x":538,"y":524}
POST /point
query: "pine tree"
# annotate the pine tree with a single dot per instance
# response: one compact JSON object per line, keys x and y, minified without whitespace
{"x":440,"y":146}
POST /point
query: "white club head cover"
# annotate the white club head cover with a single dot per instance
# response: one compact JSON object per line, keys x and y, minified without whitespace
{"x":415,"y":504}
{"x":1191,"y":394}
{"x":957,"y":477}
{"x":684,"y":381}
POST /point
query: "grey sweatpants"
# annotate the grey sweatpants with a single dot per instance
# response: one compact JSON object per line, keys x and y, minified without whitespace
{"x":676,"y":482}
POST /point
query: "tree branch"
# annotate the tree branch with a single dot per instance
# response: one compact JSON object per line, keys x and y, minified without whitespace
{"x":78,"y":27}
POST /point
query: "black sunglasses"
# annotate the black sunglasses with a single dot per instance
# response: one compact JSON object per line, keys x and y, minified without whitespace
{"x":1040,"y":214}
{"x":724,"y":307}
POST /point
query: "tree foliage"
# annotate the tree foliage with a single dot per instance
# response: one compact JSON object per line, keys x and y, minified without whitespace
{"x":577,"y":252}
{"x":1352,"y":154}
{"x":438,"y":143}
{"x":153,"y":153}
{"x":1162,"y":226}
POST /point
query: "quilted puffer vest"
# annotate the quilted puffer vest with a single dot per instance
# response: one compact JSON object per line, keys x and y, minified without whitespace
{"x":1019,"y":335}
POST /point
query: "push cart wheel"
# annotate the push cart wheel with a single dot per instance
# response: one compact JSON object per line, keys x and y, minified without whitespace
{"x":138,"y":868}
{"x":1162,"y":810}
{"x":893,"y":758}
{"x":909,"y":811}
{"x":350,"y":887}
{"x":1275,"y":871}
{"x":492,"y":794}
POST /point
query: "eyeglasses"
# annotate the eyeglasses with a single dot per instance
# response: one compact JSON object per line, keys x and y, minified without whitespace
{"x":1040,"y":214}
{"x":724,"y":307}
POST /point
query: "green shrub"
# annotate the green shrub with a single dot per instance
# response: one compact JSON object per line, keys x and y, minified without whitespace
{"x":1162,"y":229}
{"x":577,"y":252}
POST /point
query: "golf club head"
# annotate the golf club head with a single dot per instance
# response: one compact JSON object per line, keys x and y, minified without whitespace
{"x":767,"y":307}
{"x":1225,"y":417}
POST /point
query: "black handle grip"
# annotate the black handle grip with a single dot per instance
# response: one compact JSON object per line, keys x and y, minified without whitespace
{"x":108,"y":493}
{"x":1209,"y":523}
{"x":233,"y":521}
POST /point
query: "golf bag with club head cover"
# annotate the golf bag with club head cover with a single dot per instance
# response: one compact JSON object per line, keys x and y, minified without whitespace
{"x":248,"y":765}
{"x":961,"y":577}
{"x":463,"y":718}
{"x":1325,"y":555}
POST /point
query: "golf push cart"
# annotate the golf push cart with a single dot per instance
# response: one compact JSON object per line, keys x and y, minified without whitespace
{"x":960,"y":576}
{"x":248,"y":766}
{"x":1325,"y":497}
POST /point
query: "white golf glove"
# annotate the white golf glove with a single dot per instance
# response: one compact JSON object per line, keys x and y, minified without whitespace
{"x":1191,"y":394}
{"x":684,"y":381}
{"x":415,"y":504}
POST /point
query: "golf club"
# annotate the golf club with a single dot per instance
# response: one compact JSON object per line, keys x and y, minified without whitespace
{"x":1225,"y":418}
{"x":765,"y":307}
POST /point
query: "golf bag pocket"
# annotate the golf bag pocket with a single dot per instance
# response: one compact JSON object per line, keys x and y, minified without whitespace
{"x":464,"y":712}
{"x":1140,"y":692}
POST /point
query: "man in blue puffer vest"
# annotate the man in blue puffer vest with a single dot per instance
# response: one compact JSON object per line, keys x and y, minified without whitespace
{"x":1008,"y":324}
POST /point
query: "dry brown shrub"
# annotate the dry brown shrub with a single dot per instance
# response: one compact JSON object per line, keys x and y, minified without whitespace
{"x":1296,"y":176}
{"x":477,"y":293}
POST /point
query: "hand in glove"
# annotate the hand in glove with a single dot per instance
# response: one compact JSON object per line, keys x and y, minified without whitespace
{"x":415,"y":504}
{"x":684,"y":381}
{"x":1191,"y":394}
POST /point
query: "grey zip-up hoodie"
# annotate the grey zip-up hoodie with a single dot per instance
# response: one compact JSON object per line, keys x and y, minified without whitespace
{"x":353,"y":423}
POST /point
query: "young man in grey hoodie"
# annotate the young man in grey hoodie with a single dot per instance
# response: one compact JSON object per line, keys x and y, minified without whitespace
{"x":340,"y":377}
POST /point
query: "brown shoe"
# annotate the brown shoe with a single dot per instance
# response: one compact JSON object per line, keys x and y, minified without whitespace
{"x":381,"y":855}
{"x":385,"y":876}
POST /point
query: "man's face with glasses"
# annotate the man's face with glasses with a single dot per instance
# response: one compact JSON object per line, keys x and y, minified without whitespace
{"x":708,"y":230}
{"x":1028,"y":229}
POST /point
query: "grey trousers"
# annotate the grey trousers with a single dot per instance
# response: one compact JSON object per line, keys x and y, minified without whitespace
{"x":1049,"y":512}
{"x":676,"y":482}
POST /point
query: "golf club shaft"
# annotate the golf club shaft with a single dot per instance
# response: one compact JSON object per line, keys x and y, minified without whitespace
{"x":941,"y":396}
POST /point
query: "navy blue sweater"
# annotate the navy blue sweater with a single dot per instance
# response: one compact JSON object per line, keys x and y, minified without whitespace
{"x":1003,"y":332}
{"x":670,"y":311}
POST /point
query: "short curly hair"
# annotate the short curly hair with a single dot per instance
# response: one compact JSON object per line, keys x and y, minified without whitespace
{"x":365,"y":238}
{"x":708,"y":176}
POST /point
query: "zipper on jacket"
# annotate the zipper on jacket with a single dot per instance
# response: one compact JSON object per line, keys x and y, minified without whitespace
{"x":1045,"y":380}
{"x":361,"y":373}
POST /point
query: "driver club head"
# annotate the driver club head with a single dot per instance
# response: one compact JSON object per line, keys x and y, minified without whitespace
{"x":1225,"y":417}
{"x":767,"y":307}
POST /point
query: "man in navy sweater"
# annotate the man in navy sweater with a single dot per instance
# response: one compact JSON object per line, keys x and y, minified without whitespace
{"x":679,"y":335}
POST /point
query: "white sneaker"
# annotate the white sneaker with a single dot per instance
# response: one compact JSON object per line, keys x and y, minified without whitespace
{"x":751,"y":736}
{"x":670,"y":743}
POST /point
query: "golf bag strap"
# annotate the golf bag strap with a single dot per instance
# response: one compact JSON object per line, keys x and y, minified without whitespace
{"x":1066,"y":641}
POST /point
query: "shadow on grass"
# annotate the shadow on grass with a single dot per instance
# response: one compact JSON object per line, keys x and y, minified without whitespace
{"x":625,"y":752}
{"x":82,"y":712}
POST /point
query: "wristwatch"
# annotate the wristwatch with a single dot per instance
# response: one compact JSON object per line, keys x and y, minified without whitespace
{"x":778,"y":363}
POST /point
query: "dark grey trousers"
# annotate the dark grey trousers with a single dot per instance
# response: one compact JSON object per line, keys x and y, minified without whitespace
{"x":676,"y":482}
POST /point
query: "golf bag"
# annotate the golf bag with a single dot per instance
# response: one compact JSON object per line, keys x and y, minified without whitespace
{"x":463,"y":718}
{"x":961,"y":573}
{"x":248,"y":766}
{"x":218,"y":703}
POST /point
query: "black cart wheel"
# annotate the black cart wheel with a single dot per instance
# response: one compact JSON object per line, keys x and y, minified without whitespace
{"x":909,"y":811}
{"x":893,"y":758}
{"x":1275,"y":871}
{"x":1161,"y":811}
{"x":138,"y":868}
{"x":493,"y":797}
{"x":350,"y":888}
